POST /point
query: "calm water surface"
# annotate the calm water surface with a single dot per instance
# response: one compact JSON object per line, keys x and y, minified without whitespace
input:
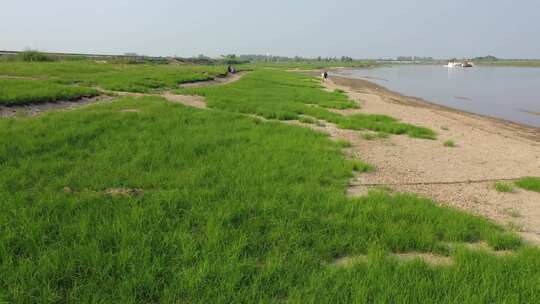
{"x":504,"y":92}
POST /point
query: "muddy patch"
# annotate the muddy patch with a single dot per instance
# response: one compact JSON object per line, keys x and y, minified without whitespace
{"x":36,"y":109}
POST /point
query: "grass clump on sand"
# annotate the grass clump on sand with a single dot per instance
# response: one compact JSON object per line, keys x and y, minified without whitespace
{"x":227,"y":209}
{"x":529,"y":183}
{"x":449,"y":143}
{"x":372,"y":136}
{"x":23,"y":91}
{"x":307,"y":120}
{"x":276,"y":94}
{"x":360,"y":166}
{"x":344,"y":143}
{"x":504,"y":187}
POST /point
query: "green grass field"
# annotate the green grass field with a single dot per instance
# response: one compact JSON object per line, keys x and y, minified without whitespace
{"x":275,"y":94}
{"x":118,"y":77}
{"x":169,"y":204}
{"x":23,"y":91}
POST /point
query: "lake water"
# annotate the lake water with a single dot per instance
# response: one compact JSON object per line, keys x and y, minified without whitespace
{"x":505,"y":92}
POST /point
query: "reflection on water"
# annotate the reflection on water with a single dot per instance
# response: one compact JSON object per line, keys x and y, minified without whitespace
{"x":505,"y":92}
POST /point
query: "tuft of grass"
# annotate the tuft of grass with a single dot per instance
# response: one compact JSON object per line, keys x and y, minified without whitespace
{"x":307,"y":120}
{"x":344,"y":143}
{"x":504,"y":187}
{"x":368,"y":136}
{"x":360,"y":166}
{"x":512,"y":212}
{"x":444,"y":128}
{"x":33,"y":56}
{"x":372,"y":136}
{"x":529,"y":183}
{"x":449,"y":143}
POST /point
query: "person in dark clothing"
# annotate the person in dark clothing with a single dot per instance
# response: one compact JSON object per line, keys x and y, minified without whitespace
{"x":325,"y":76}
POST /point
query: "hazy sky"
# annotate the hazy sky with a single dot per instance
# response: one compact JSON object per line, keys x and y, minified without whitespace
{"x":361,"y":29}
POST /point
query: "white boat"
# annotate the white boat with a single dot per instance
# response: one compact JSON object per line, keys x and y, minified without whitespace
{"x":454,"y":65}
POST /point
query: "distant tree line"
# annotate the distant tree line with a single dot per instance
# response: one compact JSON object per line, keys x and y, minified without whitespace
{"x":486,"y":58}
{"x":134,"y":58}
{"x":272,"y":58}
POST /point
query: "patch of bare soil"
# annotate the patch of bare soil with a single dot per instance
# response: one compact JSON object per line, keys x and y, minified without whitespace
{"x":488,"y":150}
{"x":480,"y":246}
{"x":127,"y":192}
{"x":217,"y":81}
{"x":428,"y":257}
{"x":36,"y":109}
{"x":130,"y":110}
{"x":188,"y":100}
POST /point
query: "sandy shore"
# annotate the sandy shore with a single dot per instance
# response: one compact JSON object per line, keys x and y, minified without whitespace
{"x":487,"y":150}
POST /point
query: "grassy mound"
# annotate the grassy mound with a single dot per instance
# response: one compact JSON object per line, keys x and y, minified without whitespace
{"x":22,"y":91}
{"x":275,"y":94}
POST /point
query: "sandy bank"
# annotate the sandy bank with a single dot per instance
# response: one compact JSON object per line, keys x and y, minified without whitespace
{"x":487,"y":150}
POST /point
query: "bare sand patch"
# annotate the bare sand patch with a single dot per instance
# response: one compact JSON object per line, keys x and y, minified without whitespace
{"x":188,"y":100}
{"x":487,"y":150}
{"x":429,"y":258}
{"x":127,"y":192}
{"x":130,"y":110}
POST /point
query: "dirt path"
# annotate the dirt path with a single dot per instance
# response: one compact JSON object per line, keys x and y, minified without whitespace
{"x":217,"y":81}
{"x":487,"y":150}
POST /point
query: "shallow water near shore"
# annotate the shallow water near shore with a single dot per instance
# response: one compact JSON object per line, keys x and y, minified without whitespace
{"x":504,"y":92}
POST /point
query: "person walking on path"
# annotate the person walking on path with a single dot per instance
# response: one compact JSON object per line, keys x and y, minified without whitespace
{"x":325,"y":76}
